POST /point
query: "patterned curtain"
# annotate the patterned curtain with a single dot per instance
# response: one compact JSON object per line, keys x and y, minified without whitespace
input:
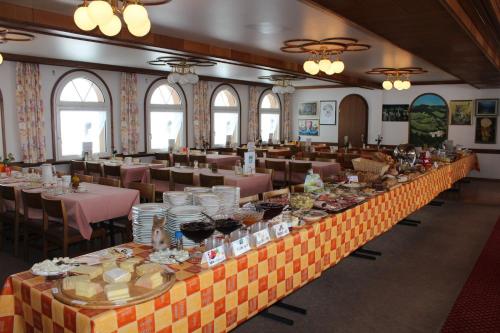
{"x":129,"y":114}
{"x":253,"y":114}
{"x":29,"y":109}
{"x":287,"y":116}
{"x":201,"y":117}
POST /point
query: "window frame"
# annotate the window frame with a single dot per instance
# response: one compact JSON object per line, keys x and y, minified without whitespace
{"x":224,"y":109}
{"x":261,"y":111}
{"x":57,"y":105}
{"x":157,"y":107}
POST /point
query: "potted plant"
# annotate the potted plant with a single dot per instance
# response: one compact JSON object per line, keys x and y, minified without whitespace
{"x":6,"y":164}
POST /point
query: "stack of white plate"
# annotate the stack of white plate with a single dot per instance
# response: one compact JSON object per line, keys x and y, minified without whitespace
{"x":180,"y":215}
{"x":210,"y":201}
{"x":177,"y":198}
{"x":197,"y":189}
{"x":229,"y":197}
{"x":142,"y":220}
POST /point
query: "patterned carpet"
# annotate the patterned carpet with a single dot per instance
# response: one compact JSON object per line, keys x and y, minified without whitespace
{"x":477,"y":308}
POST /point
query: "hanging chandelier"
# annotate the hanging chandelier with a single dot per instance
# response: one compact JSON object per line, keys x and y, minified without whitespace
{"x":183,"y":68}
{"x":282,"y":83}
{"x":324,"y":54}
{"x":397,"y":78}
{"x":105,"y":14}
{"x":7,"y":35}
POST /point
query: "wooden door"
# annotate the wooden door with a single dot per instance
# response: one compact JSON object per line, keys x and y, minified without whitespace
{"x":353,"y":120}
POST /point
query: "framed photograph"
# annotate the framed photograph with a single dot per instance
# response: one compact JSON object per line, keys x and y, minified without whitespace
{"x":461,"y":112}
{"x":395,"y":112}
{"x":308,"y":109}
{"x":309,"y":127}
{"x":486,"y":130}
{"x":428,"y":119}
{"x":486,"y":107}
{"x":328,"y":112}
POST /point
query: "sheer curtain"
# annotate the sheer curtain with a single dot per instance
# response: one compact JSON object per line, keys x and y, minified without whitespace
{"x":30,"y":113}
{"x":201,"y":114}
{"x":129,"y":114}
{"x":287,"y":116}
{"x":253,"y":114}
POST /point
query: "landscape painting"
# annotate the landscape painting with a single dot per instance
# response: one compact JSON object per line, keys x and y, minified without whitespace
{"x":308,"y":109}
{"x":461,"y":112}
{"x":486,"y":107}
{"x":428,"y":120}
{"x":395,"y":112}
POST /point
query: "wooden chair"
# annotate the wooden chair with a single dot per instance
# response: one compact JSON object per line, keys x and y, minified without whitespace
{"x":32,"y":226}
{"x":300,"y":169}
{"x":241,"y":152}
{"x":209,"y":181}
{"x":9,"y":218}
{"x":275,"y":193}
{"x":297,"y":188}
{"x":159,"y":175}
{"x":252,"y":198}
{"x":110,"y":182}
{"x":227,"y":153}
{"x":162,"y":156}
{"x":165,"y":163}
{"x":182,"y":178}
{"x":199,"y":158}
{"x":278,"y":166}
{"x":147,"y":191}
{"x":86,"y":178}
{"x":94,"y":169}
{"x":203,"y":165}
{"x":112,"y":171}
{"x":259,"y":153}
{"x":181,"y":158}
{"x":328,"y":155}
{"x":264,"y":170}
{"x":322,"y":159}
{"x":57,"y":230}
{"x":77,"y":167}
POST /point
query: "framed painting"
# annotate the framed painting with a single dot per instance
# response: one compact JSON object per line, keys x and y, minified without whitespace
{"x":428,"y":120}
{"x":461,"y":112}
{"x":486,"y":130}
{"x":309,"y":109}
{"x":487,"y":107}
{"x":395,"y":112}
{"x":309,"y":127}
{"x":328,"y":112}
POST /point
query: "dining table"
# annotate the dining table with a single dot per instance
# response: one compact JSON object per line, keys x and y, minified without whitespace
{"x":218,"y":159}
{"x":324,"y":169}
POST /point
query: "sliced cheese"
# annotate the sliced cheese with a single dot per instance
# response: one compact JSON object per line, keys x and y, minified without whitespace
{"x":116,"y":275}
{"x":87,"y":289}
{"x":129,"y":264}
{"x":70,"y":281}
{"x":91,"y":271}
{"x":150,"y":280}
{"x":148,"y":268}
{"x":109,"y":264}
{"x":116,"y":291}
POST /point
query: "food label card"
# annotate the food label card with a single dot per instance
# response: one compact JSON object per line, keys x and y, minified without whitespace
{"x":281,"y":229}
{"x":353,"y":179}
{"x":240,"y":246}
{"x":261,"y":237}
{"x":214,"y":256}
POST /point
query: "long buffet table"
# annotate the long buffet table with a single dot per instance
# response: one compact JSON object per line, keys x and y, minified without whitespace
{"x":220,"y":298}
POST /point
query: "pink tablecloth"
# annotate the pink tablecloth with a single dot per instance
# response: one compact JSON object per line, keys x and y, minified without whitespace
{"x":251,"y":185}
{"x":133,"y":173}
{"x":324,"y":169}
{"x":222,"y":160}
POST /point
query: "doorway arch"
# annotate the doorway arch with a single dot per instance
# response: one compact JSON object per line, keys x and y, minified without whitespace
{"x":353,"y":120}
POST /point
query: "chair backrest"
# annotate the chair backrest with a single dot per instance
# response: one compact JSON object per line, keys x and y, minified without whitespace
{"x":86,"y":178}
{"x":94,"y":168}
{"x":276,"y":165}
{"x":147,"y":191}
{"x":7,"y":192}
{"x":299,"y":167}
{"x":297,"y":188}
{"x":112,"y":170}
{"x":260,"y":153}
{"x":228,"y":153}
{"x":31,"y":200}
{"x":264,"y":170}
{"x":162,"y":156}
{"x":279,"y":154}
{"x":322,"y":159}
{"x":77,"y":167}
{"x":209,"y":181}
{"x":184,"y":178}
{"x":199,"y":158}
{"x":241,"y":152}
{"x":275,"y":193}
{"x":165,"y":163}
{"x":252,"y":198}
{"x":159,"y":174}
{"x":181,"y":158}
{"x":110,"y":182}
{"x":54,"y":209}
{"x":328,"y":155}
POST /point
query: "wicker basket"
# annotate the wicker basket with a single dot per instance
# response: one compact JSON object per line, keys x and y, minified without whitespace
{"x":363,"y":164}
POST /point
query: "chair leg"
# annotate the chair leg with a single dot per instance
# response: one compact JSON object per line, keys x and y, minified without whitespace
{"x":45,"y":248}
{"x":1,"y":235}
{"x":16,"y":239}
{"x":65,"y":249}
{"x":25,"y":241}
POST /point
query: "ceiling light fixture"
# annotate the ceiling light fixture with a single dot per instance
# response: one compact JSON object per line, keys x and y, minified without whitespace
{"x":7,"y":35}
{"x":397,"y":78}
{"x":183,"y":68}
{"x":324,"y":54}
{"x":282,"y":83}
{"x":105,"y":14}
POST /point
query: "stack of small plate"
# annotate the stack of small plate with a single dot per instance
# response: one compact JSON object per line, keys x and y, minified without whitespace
{"x":142,"y":220}
{"x":177,"y":198}
{"x":197,"y":189}
{"x":210,"y":201}
{"x":180,"y":215}
{"x":229,"y":197}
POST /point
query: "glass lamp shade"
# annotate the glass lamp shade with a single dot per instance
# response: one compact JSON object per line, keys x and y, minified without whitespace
{"x":1,"y":58}
{"x":140,"y":30}
{"x":100,"y":12}
{"x":82,"y":19}
{"x":398,"y":84}
{"x":314,"y":68}
{"x":192,"y":78}
{"x":135,"y":15}
{"x":324,"y":65}
{"x":289,"y":89}
{"x":173,"y":78}
{"x":338,"y":66}
{"x":308,"y":66}
{"x":406,"y":84}
{"x":113,"y":27}
{"x":387,"y":85}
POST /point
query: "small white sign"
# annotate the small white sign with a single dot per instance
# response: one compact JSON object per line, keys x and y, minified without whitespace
{"x":240,"y":246}
{"x":261,"y":237}
{"x":281,"y":230}
{"x":353,"y":179}
{"x":214,"y":256}
{"x":251,"y":146}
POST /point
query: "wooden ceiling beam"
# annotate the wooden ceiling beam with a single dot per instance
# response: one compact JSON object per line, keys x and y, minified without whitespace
{"x":45,"y":22}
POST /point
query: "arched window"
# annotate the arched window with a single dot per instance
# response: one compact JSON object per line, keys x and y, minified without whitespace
{"x":166,"y":108}
{"x":83,"y":115}
{"x":269,"y":116}
{"x":225,"y":116}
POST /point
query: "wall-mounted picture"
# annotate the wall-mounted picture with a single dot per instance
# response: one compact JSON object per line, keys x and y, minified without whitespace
{"x":309,"y":127}
{"x":486,"y":130}
{"x":428,"y":120}
{"x":328,"y":112}
{"x":461,"y":112}
{"x":395,"y":112}
{"x":308,"y":109}
{"x":486,"y":107}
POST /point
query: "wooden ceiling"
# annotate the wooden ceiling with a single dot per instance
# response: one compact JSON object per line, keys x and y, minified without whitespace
{"x":461,"y":37}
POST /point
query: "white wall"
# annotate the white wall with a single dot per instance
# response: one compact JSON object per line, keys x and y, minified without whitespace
{"x":397,"y":132}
